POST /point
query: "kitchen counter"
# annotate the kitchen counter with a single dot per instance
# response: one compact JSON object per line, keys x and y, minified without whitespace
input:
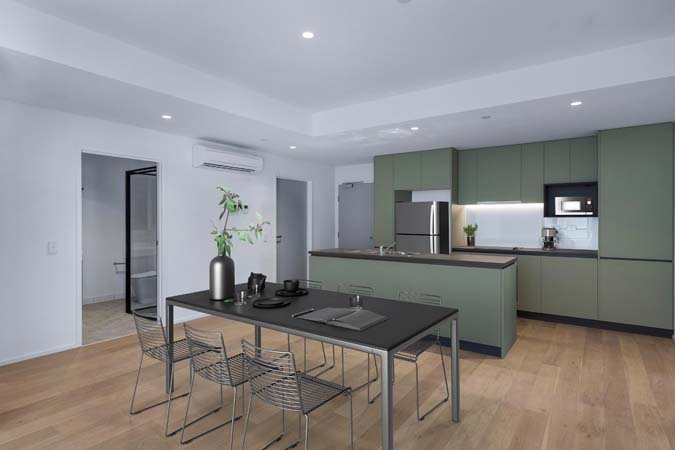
{"x":565,"y":252}
{"x":463,"y":260}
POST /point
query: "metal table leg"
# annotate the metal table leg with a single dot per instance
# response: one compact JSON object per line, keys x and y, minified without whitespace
{"x":387,"y":400}
{"x":169,"y":338}
{"x":258,"y":337}
{"x":455,"y":369}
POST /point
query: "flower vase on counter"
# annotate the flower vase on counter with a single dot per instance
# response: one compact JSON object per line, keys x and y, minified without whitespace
{"x":470,"y":231}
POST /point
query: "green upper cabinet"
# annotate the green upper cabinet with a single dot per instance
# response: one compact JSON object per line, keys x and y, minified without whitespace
{"x":436,"y":169}
{"x":383,"y":207}
{"x":408,"y":171}
{"x":636,"y":192}
{"x":584,"y":159}
{"x":532,"y":173}
{"x":557,"y":162}
{"x":499,"y":174}
{"x":571,"y":160}
{"x":467,"y":184}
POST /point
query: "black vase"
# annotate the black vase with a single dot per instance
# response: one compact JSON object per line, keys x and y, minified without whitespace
{"x":471,"y":241}
{"x":221,"y":278}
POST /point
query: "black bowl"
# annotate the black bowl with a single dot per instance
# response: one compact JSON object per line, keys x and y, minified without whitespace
{"x":291,"y":285}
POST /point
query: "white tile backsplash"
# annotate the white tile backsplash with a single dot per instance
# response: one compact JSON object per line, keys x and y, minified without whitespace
{"x":519,"y":225}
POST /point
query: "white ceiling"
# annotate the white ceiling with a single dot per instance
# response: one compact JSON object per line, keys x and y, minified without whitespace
{"x":365,"y":49}
{"x":239,"y":72}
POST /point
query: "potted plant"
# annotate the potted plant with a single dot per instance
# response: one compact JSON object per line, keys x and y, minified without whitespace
{"x":221,"y":269}
{"x":470,"y":231}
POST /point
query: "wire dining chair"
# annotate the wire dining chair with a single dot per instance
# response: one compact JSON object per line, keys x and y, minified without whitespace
{"x":274,"y":380}
{"x":154,"y":344}
{"x":209,"y":360}
{"x":414,"y":351}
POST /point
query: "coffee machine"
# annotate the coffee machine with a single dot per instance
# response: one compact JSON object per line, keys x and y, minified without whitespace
{"x":550,"y":237}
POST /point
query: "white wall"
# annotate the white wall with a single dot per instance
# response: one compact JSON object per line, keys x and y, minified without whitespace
{"x":103,"y":225}
{"x":40,"y":152}
{"x":354,"y":173}
{"x":519,"y":225}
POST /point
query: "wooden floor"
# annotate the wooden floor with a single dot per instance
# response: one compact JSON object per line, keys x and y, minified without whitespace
{"x":561,"y":387}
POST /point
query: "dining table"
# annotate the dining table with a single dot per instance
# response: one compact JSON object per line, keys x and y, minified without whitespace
{"x":405,"y":324}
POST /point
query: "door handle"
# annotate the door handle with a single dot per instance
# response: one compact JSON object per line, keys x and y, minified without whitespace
{"x":279,"y":239}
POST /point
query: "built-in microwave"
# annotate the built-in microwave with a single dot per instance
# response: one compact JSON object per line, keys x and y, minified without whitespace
{"x":571,"y":200}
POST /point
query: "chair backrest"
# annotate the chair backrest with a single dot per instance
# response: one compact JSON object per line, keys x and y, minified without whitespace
{"x":273,"y":377}
{"x":356,"y":289}
{"x":150,"y":332}
{"x":208,"y":354}
{"x":423,"y":298}
{"x":311,"y":284}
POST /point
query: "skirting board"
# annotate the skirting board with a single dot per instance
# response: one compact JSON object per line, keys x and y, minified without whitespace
{"x":623,"y":327}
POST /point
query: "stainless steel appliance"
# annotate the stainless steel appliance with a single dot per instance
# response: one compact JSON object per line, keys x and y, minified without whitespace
{"x":574,"y":206}
{"x":422,"y":227}
{"x":571,"y":200}
{"x":550,"y":236}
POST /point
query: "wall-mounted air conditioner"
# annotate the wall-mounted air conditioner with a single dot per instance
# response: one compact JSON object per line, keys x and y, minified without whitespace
{"x":225,"y":158}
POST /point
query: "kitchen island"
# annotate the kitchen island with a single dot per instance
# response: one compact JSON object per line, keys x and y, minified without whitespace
{"x":482,"y":287}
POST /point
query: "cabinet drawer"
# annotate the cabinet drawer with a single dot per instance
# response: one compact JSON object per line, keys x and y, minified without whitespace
{"x":570,"y":287}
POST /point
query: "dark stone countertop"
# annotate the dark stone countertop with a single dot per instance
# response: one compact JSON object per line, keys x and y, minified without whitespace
{"x":459,"y":259}
{"x":565,"y":252}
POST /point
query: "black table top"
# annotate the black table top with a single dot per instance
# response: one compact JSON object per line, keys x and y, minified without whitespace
{"x":404,"y":320}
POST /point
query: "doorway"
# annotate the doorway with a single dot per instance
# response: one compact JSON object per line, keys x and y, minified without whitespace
{"x":119,"y":244}
{"x":292,"y":213}
{"x":355,"y":215}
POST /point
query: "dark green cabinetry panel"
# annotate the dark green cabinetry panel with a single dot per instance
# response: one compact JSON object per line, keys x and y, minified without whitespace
{"x":557,"y":162}
{"x":436,"y":169}
{"x":529,"y":283}
{"x":532,"y":173}
{"x":407,"y":171}
{"x":636,"y":292}
{"x":468,"y":177}
{"x":383,"y":208}
{"x":584,"y":159}
{"x":570,"y":287}
{"x":499,"y":174}
{"x":636,"y":192}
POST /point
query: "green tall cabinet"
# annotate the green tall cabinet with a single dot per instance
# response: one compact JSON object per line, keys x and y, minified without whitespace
{"x":636,"y":225}
{"x":383,"y":207}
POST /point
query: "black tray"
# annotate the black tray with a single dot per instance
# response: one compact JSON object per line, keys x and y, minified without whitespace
{"x":271,"y":302}
{"x":298,"y":293}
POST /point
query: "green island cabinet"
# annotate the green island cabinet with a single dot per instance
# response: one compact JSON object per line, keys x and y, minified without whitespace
{"x":636,"y":225}
{"x":485,"y":297}
{"x":571,"y":160}
{"x":569,"y":287}
{"x":529,"y":283}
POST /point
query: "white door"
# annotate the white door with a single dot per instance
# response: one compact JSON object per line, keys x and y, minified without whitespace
{"x":291,"y":229}
{"x":355,"y":213}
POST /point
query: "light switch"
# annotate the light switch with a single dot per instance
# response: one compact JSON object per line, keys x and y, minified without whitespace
{"x":51,"y":248}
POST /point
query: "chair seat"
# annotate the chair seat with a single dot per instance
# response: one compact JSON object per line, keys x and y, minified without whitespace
{"x":217,"y":372}
{"x":316,"y":391}
{"x":413,"y":351}
{"x":181,"y":351}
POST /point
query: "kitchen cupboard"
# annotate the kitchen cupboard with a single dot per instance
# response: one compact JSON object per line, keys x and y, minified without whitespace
{"x":569,"y":287}
{"x":532,"y":173}
{"x":468,"y":177}
{"x":499,"y":171}
{"x":529,"y":283}
{"x":571,"y":160}
{"x":436,"y":169}
{"x":636,"y":292}
{"x":636,"y":192}
{"x":557,"y":162}
{"x":383,"y":205}
{"x":408,"y":171}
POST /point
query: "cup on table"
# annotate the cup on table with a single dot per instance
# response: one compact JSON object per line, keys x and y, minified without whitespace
{"x":356,"y":301}
{"x":291,"y":285}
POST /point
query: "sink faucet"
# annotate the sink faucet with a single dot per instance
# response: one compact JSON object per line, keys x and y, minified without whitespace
{"x":384,"y":249}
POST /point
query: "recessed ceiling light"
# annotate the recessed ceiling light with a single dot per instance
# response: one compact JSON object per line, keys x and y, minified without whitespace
{"x":576,"y":103}
{"x":485,"y":117}
{"x":414,"y":128}
{"x":307,"y":34}
{"x":166,"y":117}
{"x":292,"y":147}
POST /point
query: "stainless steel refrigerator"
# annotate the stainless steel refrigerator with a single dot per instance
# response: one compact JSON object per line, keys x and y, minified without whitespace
{"x":422,"y":227}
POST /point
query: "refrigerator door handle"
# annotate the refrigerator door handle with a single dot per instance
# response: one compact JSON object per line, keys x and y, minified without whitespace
{"x":432,"y":231}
